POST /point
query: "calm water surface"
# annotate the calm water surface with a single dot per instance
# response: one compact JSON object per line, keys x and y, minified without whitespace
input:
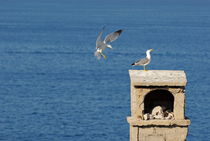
{"x":52,"y":87}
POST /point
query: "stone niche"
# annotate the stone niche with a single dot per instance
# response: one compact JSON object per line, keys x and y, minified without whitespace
{"x":152,"y":89}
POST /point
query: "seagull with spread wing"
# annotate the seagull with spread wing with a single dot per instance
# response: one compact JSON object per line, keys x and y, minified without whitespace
{"x":103,"y":44}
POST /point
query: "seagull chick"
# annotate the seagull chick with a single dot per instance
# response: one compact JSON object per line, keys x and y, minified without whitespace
{"x":145,"y":61}
{"x":102,"y":45}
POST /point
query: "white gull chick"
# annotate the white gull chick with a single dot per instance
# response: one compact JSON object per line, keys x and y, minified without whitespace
{"x":103,"y":44}
{"x":145,"y":61}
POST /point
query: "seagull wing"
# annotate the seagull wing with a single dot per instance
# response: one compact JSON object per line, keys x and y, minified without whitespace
{"x":142,"y":61}
{"x":98,"y":40}
{"x":112,"y":36}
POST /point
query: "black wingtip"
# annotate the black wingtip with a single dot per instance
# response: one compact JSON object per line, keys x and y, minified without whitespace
{"x":133,"y":64}
{"x":119,"y":31}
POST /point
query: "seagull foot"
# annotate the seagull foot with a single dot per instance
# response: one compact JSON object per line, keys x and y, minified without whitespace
{"x":105,"y":57}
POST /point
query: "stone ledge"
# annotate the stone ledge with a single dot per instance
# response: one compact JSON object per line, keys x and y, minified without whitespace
{"x":158,"y":78}
{"x":139,"y":122}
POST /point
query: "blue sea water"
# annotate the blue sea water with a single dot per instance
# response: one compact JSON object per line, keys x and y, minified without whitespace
{"x":52,"y":88}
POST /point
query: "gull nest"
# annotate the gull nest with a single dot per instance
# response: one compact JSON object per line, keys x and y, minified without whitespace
{"x":158,"y":112}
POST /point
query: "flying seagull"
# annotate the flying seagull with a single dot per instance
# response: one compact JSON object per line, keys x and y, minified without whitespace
{"x":144,"y":61}
{"x":103,"y":44}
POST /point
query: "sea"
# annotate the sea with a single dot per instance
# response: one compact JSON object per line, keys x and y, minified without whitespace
{"x":53,"y":88}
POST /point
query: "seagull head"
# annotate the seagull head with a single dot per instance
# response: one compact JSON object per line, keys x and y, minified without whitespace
{"x":150,"y":50}
{"x":148,"y":53}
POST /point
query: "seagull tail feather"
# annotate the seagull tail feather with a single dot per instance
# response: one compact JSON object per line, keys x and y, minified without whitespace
{"x":132,"y":64}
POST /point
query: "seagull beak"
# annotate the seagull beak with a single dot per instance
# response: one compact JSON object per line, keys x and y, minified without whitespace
{"x":151,"y":49}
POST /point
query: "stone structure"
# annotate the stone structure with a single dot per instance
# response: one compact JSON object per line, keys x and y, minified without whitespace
{"x":153,"y":88}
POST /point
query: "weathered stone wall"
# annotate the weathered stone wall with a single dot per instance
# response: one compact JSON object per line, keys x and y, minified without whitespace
{"x":155,"y":133}
{"x":138,"y":94}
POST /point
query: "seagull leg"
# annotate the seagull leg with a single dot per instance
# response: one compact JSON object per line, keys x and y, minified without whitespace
{"x":104,"y":55}
{"x":145,"y":68}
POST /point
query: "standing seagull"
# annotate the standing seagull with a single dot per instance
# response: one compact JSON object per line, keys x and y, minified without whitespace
{"x":144,"y":61}
{"x":101,"y":45}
